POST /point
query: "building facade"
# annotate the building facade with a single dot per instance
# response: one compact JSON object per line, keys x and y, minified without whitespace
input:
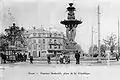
{"x":41,"y":42}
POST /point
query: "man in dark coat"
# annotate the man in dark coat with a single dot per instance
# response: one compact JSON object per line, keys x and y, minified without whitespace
{"x":48,"y":59}
{"x":25,"y":57}
{"x":77,"y":57}
{"x":31,"y":59}
{"x":117,"y":56}
{"x":18,"y":57}
{"x":21,"y":57}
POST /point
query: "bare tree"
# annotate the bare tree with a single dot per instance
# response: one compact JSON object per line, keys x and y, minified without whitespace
{"x":110,"y":42}
{"x":103,"y":48}
{"x":93,"y":50}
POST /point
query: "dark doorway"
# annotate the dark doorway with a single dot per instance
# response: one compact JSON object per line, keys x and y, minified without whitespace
{"x":55,"y":53}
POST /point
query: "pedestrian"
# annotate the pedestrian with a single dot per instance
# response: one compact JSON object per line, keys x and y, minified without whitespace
{"x":25,"y":57}
{"x":61,"y":58}
{"x":68,"y":59}
{"x":29,"y":55}
{"x":48,"y":59}
{"x":57,"y":59}
{"x":64,"y":59}
{"x":117,"y":57}
{"x":16,"y":57}
{"x":77,"y":57}
{"x":4,"y":58}
{"x":31,"y":59}
{"x":21,"y":57}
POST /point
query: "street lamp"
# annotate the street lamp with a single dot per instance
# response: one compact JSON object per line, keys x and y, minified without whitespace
{"x":99,"y":34}
{"x":118,"y":37}
{"x":92,"y":38}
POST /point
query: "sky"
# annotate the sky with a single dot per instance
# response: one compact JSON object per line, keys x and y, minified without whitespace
{"x":49,"y":13}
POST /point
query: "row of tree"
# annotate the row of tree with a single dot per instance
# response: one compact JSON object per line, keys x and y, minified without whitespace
{"x":13,"y":36}
{"x":110,"y":43}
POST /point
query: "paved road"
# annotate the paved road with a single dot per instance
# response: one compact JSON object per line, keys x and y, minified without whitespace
{"x":82,"y":63}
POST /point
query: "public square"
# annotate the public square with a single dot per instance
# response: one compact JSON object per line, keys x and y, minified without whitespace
{"x":59,"y":40}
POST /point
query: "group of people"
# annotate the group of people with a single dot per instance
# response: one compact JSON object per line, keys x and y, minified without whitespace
{"x":15,"y":57}
{"x":21,"y":57}
{"x":64,"y":59}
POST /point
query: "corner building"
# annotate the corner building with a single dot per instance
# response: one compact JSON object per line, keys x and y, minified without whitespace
{"x":41,"y":42}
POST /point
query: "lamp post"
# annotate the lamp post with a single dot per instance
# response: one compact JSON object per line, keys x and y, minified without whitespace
{"x":118,"y":37}
{"x":99,"y":33}
{"x":92,"y":38}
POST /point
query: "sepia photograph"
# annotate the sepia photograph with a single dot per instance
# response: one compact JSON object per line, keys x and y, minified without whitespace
{"x":59,"y":39}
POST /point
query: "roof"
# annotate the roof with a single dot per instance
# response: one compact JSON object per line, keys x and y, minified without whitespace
{"x":43,"y":30}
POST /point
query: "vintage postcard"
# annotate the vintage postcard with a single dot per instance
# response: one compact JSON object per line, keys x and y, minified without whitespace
{"x":59,"y":39}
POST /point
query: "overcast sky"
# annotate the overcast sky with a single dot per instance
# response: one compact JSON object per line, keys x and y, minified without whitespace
{"x":29,"y":13}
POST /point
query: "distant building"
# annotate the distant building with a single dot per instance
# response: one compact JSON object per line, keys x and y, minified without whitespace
{"x":41,"y":42}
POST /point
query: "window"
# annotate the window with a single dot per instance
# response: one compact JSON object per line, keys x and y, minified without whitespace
{"x":43,"y":51}
{"x":35,"y":46}
{"x":29,"y":47}
{"x":34,"y":53}
{"x":55,"y":47}
{"x":59,"y":34}
{"x":55,"y":41}
{"x":60,"y":41}
{"x":55,"y":34}
{"x":34,"y":41}
{"x":43,"y":41}
{"x":34,"y":34}
{"x":50,"y":46}
{"x":43,"y":46}
{"x":50,"y":35}
{"x":39,"y":41}
{"x":59,"y":46}
{"x":44,"y":34}
{"x":50,"y":41}
{"x":39,"y":34}
{"x":39,"y":46}
{"x":27,"y":36}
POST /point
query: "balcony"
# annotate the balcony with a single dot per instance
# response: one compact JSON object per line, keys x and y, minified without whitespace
{"x":54,"y":43}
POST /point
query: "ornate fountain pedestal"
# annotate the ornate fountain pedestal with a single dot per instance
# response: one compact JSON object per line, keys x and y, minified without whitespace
{"x":70,"y":45}
{"x":70,"y":24}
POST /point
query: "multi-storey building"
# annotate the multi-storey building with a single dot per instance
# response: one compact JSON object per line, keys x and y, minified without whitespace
{"x":41,"y":42}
